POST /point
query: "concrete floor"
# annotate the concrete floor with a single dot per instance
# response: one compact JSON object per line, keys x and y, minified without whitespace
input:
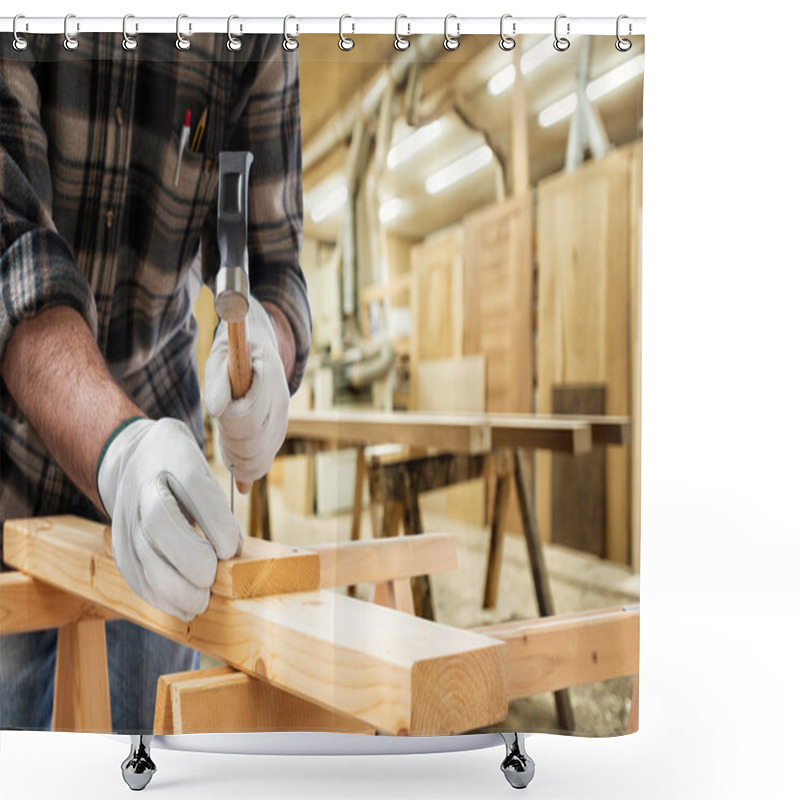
{"x":578,"y":581}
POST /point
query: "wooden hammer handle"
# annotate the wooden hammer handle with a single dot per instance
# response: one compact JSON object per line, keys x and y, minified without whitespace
{"x":240,"y":370}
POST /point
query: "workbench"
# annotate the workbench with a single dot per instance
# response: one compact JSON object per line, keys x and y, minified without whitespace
{"x":379,"y":668}
{"x":447,"y":449}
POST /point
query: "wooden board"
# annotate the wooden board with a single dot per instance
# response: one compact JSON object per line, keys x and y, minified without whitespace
{"x":585,"y":298}
{"x":399,"y":673}
{"x":30,"y":605}
{"x":437,"y":301}
{"x":222,"y":700}
{"x":263,"y":567}
{"x":569,"y":650}
{"x":379,"y":560}
{"x":455,"y":433}
{"x":498,"y":300}
{"x":81,"y":699}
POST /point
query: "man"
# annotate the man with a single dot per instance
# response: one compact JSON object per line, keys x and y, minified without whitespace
{"x":101,"y":221}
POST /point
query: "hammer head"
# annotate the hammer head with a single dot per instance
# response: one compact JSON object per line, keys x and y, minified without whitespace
{"x":232,"y":296}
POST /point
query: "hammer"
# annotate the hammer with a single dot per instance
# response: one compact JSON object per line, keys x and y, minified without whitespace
{"x":232,"y":296}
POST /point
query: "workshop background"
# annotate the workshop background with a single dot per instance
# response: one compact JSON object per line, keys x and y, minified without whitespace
{"x":472,"y":244}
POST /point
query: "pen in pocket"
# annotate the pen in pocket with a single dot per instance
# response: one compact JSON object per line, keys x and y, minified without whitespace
{"x":199,"y":131}
{"x":182,"y":146}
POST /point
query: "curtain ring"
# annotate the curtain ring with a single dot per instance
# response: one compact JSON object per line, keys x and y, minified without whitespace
{"x":451,"y":42}
{"x":70,"y":42}
{"x":128,"y":42}
{"x":506,"y":42}
{"x":623,"y":45}
{"x":345,"y":42}
{"x":400,"y":42}
{"x":182,"y":43}
{"x":234,"y":44}
{"x":290,"y":43}
{"x":20,"y":42}
{"x":561,"y":43}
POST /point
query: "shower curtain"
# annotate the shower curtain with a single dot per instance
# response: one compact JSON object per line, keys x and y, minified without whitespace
{"x":440,"y":266}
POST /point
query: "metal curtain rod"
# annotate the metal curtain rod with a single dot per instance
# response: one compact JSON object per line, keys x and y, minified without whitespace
{"x":407,"y":26}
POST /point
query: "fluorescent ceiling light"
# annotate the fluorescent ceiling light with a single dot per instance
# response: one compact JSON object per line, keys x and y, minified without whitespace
{"x":413,"y":143}
{"x":616,"y":77}
{"x":596,"y":89}
{"x":534,"y":58}
{"x":390,"y":209}
{"x":558,"y":111}
{"x":458,"y":170}
{"x":327,"y":199}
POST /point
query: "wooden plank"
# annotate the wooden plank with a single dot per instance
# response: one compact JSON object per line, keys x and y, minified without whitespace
{"x":437,"y":326}
{"x":262,"y":569}
{"x":394,"y":594}
{"x":497,"y":534}
{"x":30,"y":605}
{"x":81,"y":699}
{"x":606,"y":429}
{"x":584,"y":313}
{"x":401,"y":674}
{"x":498,"y":292}
{"x":569,"y":650}
{"x":222,"y":700}
{"x":633,"y":717}
{"x":378,"y":560}
{"x":456,"y":433}
{"x":536,"y":433}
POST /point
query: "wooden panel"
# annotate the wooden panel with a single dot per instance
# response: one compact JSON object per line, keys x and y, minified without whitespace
{"x":570,"y":649}
{"x":262,"y":568}
{"x":402,"y":674}
{"x":579,"y":484}
{"x":498,"y":296}
{"x":222,"y":700}
{"x":585,"y":299}
{"x":30,"y":605}
{"x":81,"y":699}
{"x":437,"y":292}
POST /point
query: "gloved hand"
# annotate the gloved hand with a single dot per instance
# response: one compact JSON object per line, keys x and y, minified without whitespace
{"x":150,"y":476}
{"x":253,"y":427}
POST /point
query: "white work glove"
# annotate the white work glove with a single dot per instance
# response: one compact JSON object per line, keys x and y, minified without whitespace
{"x":252,"y":428}
{"x":150,"y":477}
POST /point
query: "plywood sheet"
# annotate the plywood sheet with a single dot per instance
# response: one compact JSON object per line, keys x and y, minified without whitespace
{"x":584,"y":226}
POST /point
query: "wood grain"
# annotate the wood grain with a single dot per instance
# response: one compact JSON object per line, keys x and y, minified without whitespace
{"x":453,"y":432}
{"x":81,"y":699}
{"x":399,"y":673}
{"x":263,"y":568}
{"x":586,"y":311}
{"x":30,"y":605}
{"x":222,"y":700}
{"x":570,"y":649}
{"x":240,"y":369}
{"x":378,"y":560}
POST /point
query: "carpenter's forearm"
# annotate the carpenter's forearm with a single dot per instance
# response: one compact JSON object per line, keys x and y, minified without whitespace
{"x":287,"y":349}
{"x":58,"y":378}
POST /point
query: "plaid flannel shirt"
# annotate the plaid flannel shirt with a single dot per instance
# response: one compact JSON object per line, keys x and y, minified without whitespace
{"x":90,"y":218}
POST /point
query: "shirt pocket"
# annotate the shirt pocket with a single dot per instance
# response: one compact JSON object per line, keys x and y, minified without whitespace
{"x":181,"y":199}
